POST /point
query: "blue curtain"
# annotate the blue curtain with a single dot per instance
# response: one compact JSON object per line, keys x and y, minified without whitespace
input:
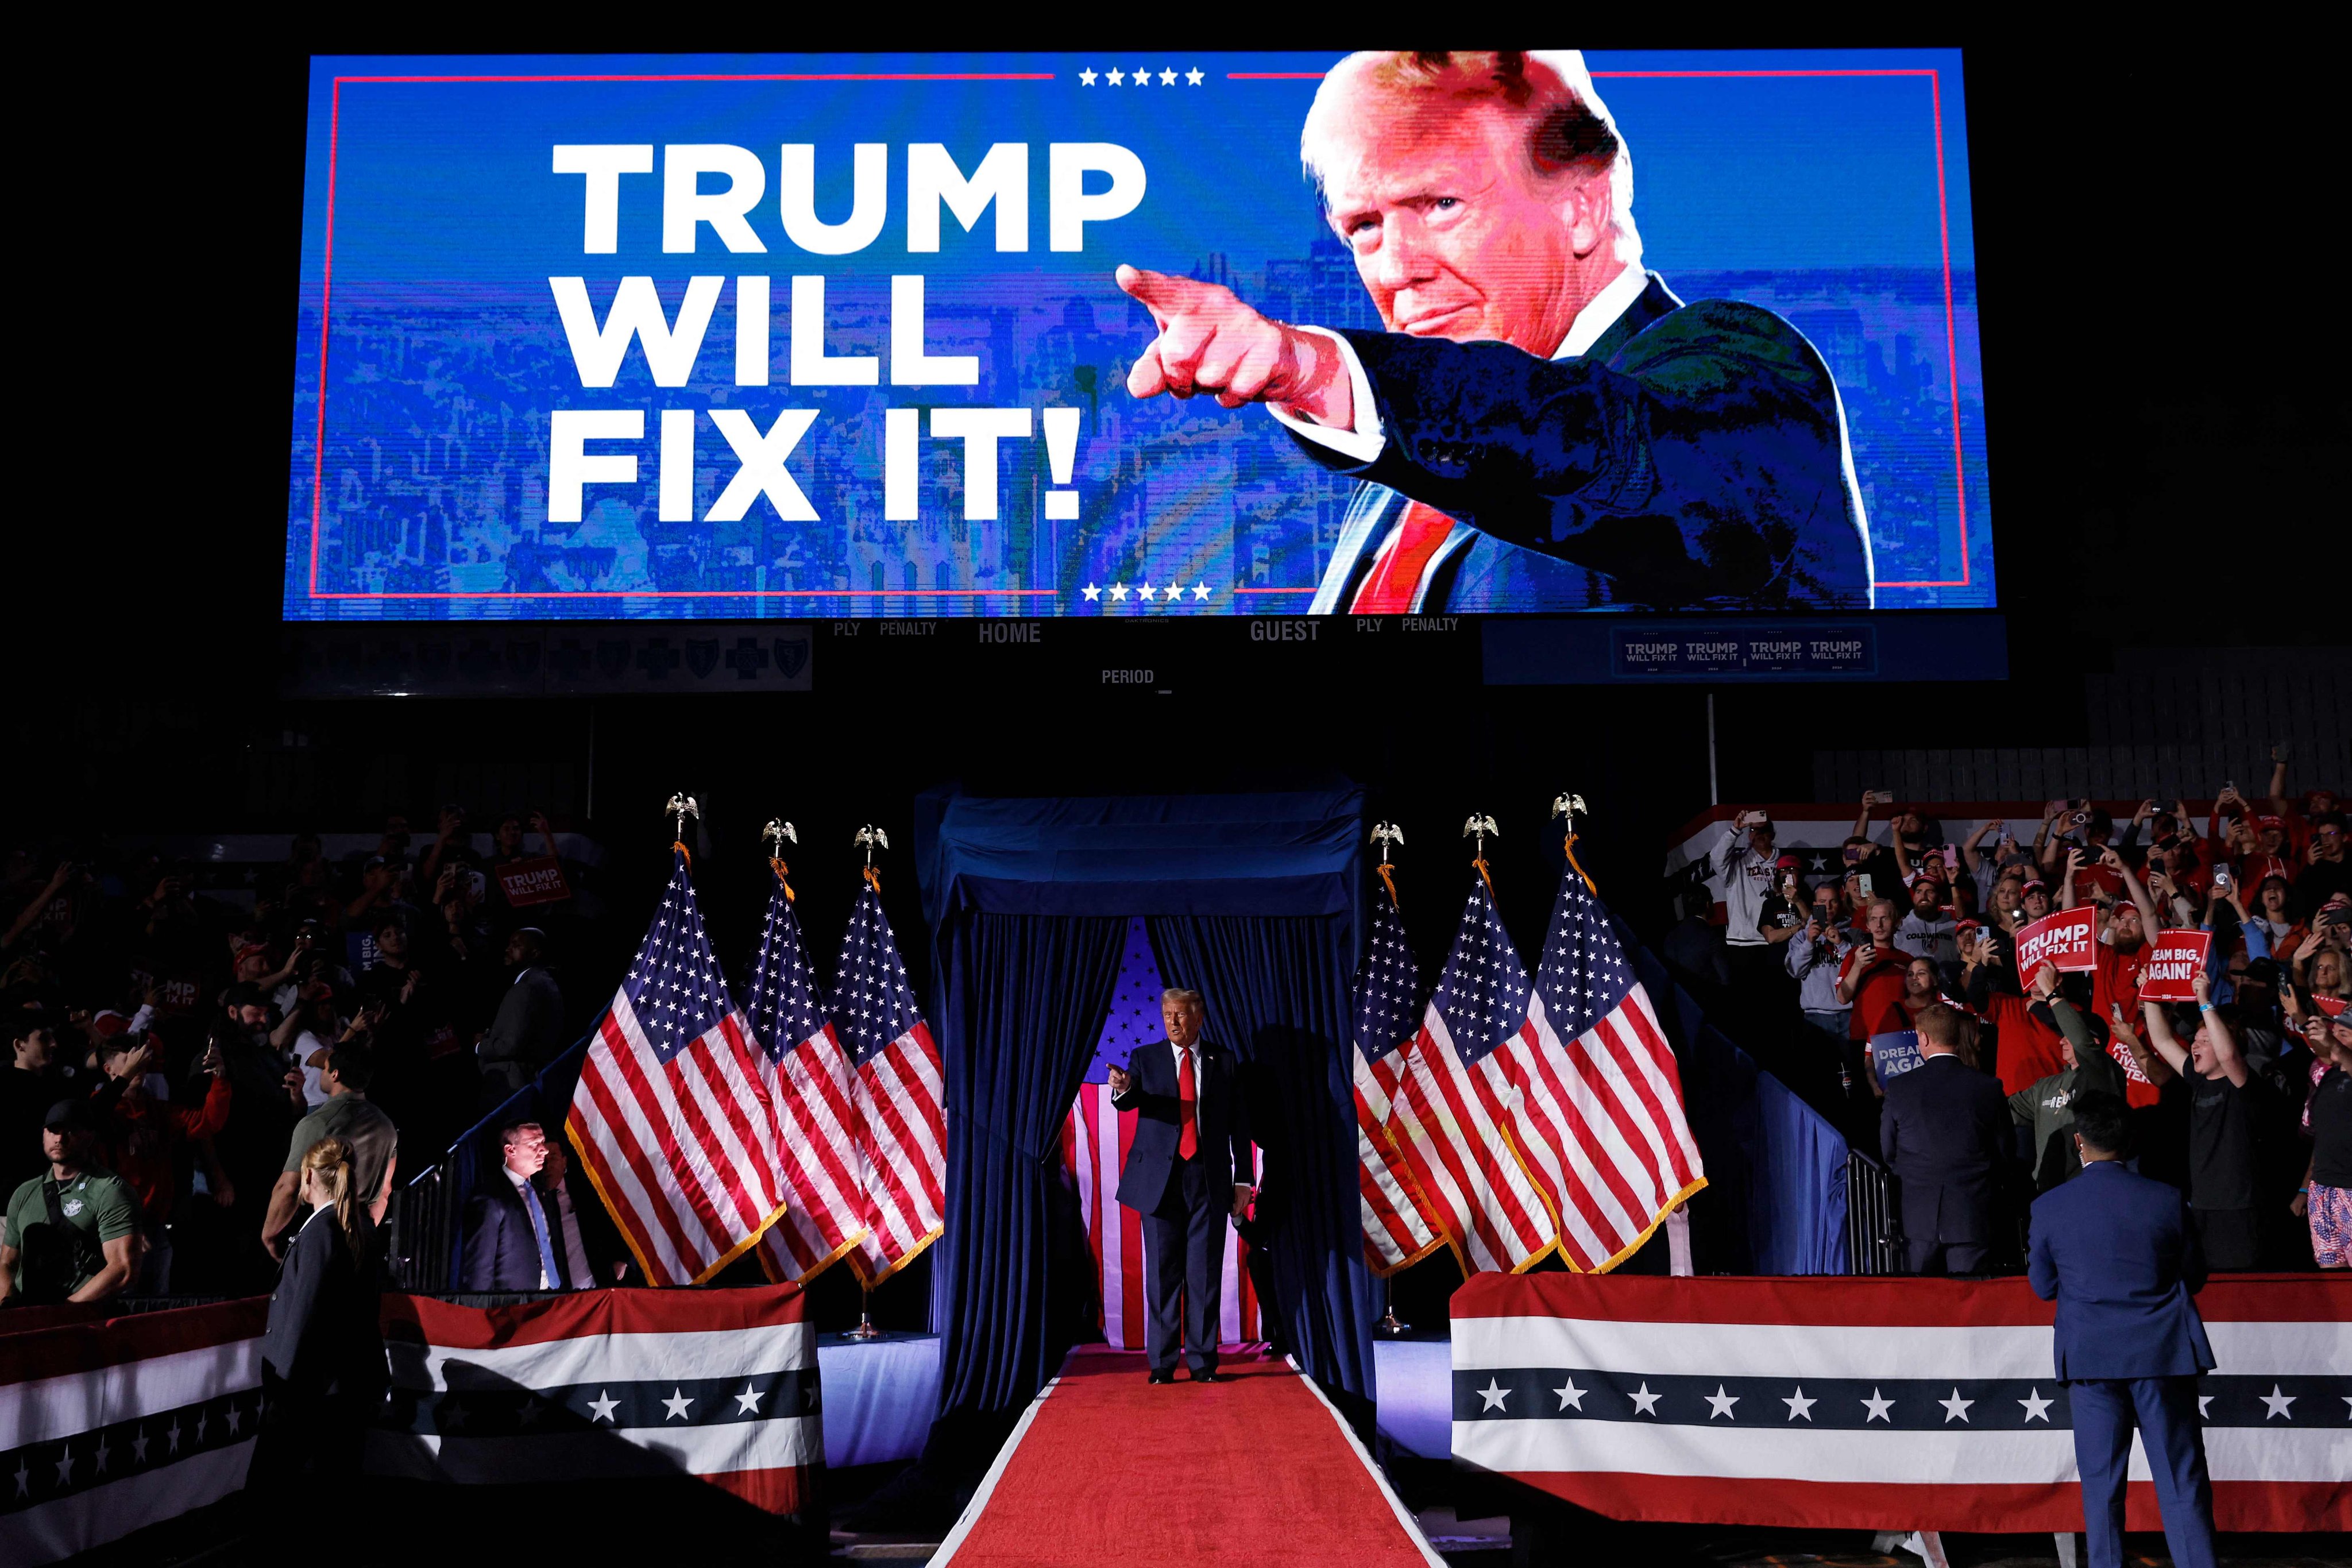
{"x":1022,"y":1002}
{"x":1276,"y":991}
{"x":1776,"y":1197}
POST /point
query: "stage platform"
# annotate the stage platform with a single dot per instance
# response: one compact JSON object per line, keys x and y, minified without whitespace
{"x":1190,"y":1478}
{"x":880,"y":1395}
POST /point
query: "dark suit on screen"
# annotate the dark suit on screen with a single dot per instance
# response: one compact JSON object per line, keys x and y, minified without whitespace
{"x":1184,"y":1203}
{"x":1695,"y":458}
{"x":2115,"y":1250}
{"x":501,"y":1250}
{"x":1945,"y":1132}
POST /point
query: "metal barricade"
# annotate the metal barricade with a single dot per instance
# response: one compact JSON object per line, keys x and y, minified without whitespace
{"x":423,"y":1217}
{"x":1874,"y":1243}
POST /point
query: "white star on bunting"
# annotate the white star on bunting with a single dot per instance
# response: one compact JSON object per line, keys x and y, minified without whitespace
{"x":1955,"y":1408}
{"x":748,"y":1402}
{"x":1878,"y":1408}
{"x":2036,"y":1407}
{"x":1494,"y":1394}
{"x":2278,"y":1403}
{"x":1570,"y":1395}
{"x":676,"y":1404}
{"x":1644,"y":1401}
{"x":1722,"y":1403}
{"x":1798,"y":1404}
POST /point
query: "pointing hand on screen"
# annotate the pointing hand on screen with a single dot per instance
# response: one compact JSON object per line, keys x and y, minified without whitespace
{"x":1209,"y":341}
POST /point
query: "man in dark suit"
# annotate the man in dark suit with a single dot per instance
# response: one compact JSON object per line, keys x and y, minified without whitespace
{"x":509,"y":1242}
{"x":1543,"y":425}
{"x":1944,"y":1131}
{"x":1180,"y":1176}
{"x":2115,"y":1250}
{"x":528,"y":1031}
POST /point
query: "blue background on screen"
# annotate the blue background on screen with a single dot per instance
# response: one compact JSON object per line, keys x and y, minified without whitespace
{"x":1813,"y":195}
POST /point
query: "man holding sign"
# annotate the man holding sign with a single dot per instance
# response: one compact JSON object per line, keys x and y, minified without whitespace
{"x":2230,"y":1108}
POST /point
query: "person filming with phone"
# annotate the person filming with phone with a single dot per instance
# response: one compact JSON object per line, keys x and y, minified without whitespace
{"x":1182,"y":1174}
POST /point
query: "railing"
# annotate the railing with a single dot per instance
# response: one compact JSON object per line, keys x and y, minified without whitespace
{"x":1874,"y":1243}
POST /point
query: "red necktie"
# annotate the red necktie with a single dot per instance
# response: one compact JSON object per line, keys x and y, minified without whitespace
{"x":1188,"y":1107}
{"x":1388,"y":589}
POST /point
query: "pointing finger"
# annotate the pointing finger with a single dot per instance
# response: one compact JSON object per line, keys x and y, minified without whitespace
{"x":1161,"y":293}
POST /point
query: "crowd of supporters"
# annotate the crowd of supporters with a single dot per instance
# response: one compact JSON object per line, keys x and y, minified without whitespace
{"x":176,"y":1051}
{"x":2244,"y":1097}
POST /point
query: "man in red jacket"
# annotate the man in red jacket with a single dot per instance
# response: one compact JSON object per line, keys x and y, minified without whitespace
{"x":144,"y":1136}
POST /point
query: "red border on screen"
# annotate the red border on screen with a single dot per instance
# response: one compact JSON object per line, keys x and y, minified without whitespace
{"x":318,"y":460}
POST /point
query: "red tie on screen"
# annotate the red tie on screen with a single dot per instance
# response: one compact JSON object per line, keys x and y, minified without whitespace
{"x":1188,"y":1107}
{"x":1388,"y":590}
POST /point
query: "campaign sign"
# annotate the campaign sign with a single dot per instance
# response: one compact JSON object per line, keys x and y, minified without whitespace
{"x":2068,"y":941}
{"x":538,"y":881}
{"x":1895,"y":1053}
{"x":696,"y":337}
{"x":2174,"y":959}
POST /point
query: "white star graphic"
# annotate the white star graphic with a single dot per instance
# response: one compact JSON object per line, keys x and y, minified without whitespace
{"x":1494,"y":1394}
{"x":676,"y":1404}
{"x":1955,"y":1408}
{"x":2278,"y":1403}
{"x":234,"y":1416}
{"x":1570,"y":1395}
{"x":139,"y":1448}
{"x":100,"y":1455}
{"x":1167,"y":79}
{"x":1878,"y":1408}
{"x":1087,"y":78}
{"x":1200,"y":590}
{"x":1194,"y":76}
{"x":748,"y":1402}
{"x":1143,"y":77}
{"x":65,"y":1468}
{"x":1722,"y":1403}
{"x":2205,"y":1401}
{"x":1146,"y":591}
{"x":173,"y":1434}
{"x":1119,"y":590}
{"x":1092,"y":593}
{"x":1798,"y":1404}
{"x":1115,"y":76}
{"x":2035,"y":1406}
{"x":1174,"y":592}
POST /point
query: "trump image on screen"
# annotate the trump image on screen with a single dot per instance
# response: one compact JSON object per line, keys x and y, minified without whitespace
{"x":1544,"y":424}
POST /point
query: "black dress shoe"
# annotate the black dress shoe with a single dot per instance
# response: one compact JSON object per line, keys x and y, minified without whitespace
{"x":1161,"y":1377}
{"x":1213,"y":1377}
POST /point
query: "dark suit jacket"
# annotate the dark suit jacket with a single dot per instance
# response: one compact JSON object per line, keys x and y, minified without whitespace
{"x":1944,"y":1131}
{"x":1695,"y":458}
{"x":324,"y":1336}
{"x":1220,"y":1141}
{"x":2115,"y":1249}
{"x":528,"y":1026}
{"x":501,"y":1252}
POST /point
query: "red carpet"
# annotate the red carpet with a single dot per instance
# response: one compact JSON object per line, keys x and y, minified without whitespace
{"x":1110,"y":1469}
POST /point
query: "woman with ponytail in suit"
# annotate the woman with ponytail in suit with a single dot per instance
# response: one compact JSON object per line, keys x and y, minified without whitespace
{"x":323,"y":1357}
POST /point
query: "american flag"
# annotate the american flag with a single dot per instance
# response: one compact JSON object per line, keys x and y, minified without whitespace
{"x":672,"y":1116}
{"x":808,"y":1081}
{"x":898,"y":1091}
{"x":1400,"y":1229}
{"x":1602,"y":1108}
{"x":1452,"y":1114}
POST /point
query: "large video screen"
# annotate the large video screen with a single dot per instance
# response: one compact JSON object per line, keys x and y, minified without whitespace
{"x":1146,"y":334}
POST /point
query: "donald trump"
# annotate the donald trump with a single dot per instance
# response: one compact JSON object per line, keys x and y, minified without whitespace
{"x":1544,"y":424}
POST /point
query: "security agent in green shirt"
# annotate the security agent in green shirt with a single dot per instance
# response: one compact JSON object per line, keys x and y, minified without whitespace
{"x":72,"y":1234}
{"x":2047,"y":1106}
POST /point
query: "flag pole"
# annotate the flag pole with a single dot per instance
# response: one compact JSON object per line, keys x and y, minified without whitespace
{"x":1388,"y":835}
{"x":869,"y":837}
